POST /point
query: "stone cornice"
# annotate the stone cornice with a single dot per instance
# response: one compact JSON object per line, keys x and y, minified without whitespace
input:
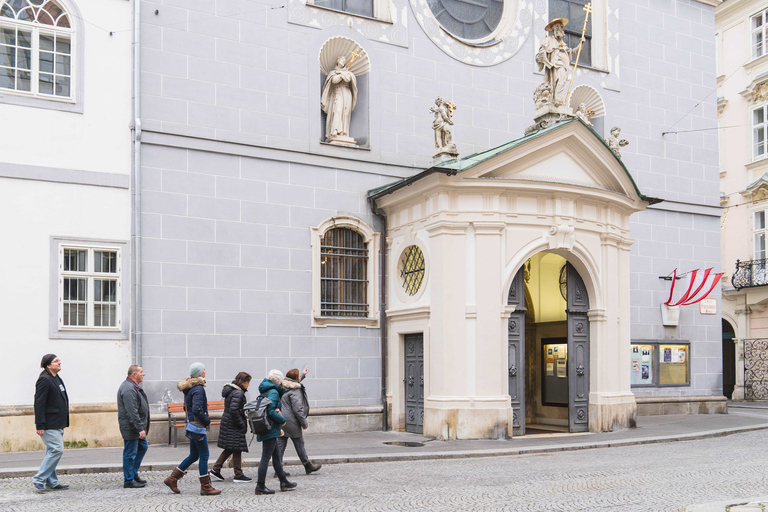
{"x":757,"y":90}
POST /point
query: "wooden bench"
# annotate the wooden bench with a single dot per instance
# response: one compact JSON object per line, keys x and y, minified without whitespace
{"x":177,"y":417}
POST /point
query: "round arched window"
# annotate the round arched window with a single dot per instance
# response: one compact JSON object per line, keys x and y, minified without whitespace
{"x":470,"y":20}
{"x":411,"y":269}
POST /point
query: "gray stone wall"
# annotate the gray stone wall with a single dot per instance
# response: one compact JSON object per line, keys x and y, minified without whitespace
{"x":226,"y":253}
{"x":226,"y":276}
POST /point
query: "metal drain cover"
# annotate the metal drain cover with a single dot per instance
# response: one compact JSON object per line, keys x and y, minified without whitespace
{"x":409,"y":444}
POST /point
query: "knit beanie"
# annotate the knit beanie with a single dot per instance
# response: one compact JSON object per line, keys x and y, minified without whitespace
{"x":275,"y":376}
{"x":196,"y":370}
{"x":47,"y":360}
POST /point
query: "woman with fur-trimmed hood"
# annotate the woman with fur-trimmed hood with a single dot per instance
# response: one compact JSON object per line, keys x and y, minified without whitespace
{"x":271,"y":388}
{"x":197,"y":421}
{"x":295,"y":410}
{"x":233,"y":428}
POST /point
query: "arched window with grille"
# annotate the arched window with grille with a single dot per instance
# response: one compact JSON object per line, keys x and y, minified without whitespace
{"x":343,"y":279}
{"x":36,"y":48}
{"x":344,"y":267}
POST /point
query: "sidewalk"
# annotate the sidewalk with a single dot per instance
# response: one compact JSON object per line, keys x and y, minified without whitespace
{"x":373,"y":447}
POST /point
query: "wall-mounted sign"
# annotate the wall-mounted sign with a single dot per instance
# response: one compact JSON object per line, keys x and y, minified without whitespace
{"x":708,"y":307}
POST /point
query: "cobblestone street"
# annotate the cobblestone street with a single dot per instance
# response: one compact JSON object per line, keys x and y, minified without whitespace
{"x":654,"y":477}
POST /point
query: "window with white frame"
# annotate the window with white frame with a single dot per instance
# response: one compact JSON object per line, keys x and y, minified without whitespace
{"x":344,"y":266}
{"x":758,"y":132}
{"x":758,"y":25}
{"x":36,"y":42}
{"x":378,"y":9}
{"x":759,"y":231}
{"x":89,"y":288}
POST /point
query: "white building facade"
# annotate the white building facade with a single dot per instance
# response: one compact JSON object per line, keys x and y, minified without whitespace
{"x":65,"y":98}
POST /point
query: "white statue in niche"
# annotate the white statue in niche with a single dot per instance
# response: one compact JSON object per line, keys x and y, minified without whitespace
{"x":338,"y":101}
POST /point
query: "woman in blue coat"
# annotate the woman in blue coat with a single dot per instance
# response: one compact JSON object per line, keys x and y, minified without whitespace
{"x":270,"y":447}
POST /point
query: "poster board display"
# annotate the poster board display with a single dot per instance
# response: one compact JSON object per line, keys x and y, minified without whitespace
{"x":673,"y":368}
{"x":554,"y":379}
{"x":642,"y":371}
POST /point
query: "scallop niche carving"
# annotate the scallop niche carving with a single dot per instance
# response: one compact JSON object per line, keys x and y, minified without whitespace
{"x":344,"y":67}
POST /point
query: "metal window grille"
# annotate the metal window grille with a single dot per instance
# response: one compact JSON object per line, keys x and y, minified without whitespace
{"x":412,"y":269}
{"x":344,"y":274}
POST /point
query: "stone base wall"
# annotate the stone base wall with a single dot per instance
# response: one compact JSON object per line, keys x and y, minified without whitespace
{"x":609,"y":417}
{"x":90,"y":426}
{"x":682,"y":405}
{"x":470,"y":423}
{"x":95,"y":426}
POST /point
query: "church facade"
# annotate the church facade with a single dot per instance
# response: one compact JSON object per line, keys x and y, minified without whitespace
{"x":270,"y":239}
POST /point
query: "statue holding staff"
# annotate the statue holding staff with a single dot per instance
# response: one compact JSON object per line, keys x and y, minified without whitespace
{"x":554,"y":58}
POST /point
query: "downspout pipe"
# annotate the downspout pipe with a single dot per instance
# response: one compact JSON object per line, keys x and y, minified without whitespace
{"x":382,"y":311}
{"x":136,"y":184}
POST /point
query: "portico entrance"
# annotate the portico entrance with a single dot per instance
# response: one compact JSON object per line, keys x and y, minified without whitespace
{"x":548,"y":339}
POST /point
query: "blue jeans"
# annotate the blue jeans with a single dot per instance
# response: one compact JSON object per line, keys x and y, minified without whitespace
{"x":197,"y":450}
{"x":54,"y":449}
{"x":133,"y":454}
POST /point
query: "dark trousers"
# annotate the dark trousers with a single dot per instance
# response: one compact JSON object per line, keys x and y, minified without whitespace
{"x":133,"y":454}
{"x":298,"y":443}
{"x":237,"y":461}
{"x":270,"y":450}
{"x":197,"y":450}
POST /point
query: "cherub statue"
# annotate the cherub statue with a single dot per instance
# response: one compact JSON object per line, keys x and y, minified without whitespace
{"x":584,"y":113}
{"x":614,"y":142}
{"x":442,"y":126}
{"x":542,"y":95}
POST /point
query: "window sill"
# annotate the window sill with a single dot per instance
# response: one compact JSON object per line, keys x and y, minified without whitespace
{"x":757,"y":164}
{"x":756,"y":62}
{"x":64,"y":105}
{"x":344,"y":13}
{"x":331,"y":321}
{"x":88,"y":335}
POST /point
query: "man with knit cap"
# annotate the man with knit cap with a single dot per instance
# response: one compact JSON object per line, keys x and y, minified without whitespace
{"x":51,"y":418}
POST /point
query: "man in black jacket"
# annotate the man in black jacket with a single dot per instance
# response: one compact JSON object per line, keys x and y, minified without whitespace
{"x":51,"y":418}
{"x":133,"y":417}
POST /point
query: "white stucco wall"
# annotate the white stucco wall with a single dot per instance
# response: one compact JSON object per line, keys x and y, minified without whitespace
{"x":99,"y":138}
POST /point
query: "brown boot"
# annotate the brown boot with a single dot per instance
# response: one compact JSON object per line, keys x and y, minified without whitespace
{"x":173,"y":479}
{"x":205,"y":487}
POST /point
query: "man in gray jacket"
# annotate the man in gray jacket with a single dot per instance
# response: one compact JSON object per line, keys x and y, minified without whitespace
{"x":133,"y":417}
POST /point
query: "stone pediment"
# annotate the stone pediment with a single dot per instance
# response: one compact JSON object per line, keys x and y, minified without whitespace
{"x":565,"y":155}
{"x":757,"y":190}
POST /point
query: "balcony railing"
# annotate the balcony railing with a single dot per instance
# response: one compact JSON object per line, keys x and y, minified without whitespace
{"x":750,"y":273}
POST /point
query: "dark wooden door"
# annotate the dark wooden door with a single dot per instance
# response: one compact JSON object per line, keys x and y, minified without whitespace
{"x":414,"y":383}
{"x":578,"y":352}
{"x":516,"y":352}
{"x":729,"y":360}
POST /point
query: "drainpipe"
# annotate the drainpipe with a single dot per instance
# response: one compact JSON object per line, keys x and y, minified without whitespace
{"x":136,"y":182}
{"x":382,"y":311}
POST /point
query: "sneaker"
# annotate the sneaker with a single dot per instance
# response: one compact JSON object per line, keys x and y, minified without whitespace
{"x":41,"y":488}
{"x":242,"y":479}
{"x":60,"y":487}
{"x":216,"y":474}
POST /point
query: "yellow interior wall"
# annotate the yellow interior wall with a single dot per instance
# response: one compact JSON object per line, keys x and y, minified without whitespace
{"x":544,"y":287}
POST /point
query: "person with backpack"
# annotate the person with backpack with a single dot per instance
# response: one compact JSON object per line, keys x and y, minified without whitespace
{"x":196,"y":409}
{"x":270,"y":389}
{"x":233,"y":428}
{"x":295,"y":410}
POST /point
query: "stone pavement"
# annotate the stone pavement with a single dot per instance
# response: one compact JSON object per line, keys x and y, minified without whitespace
{"x":682,"y":476}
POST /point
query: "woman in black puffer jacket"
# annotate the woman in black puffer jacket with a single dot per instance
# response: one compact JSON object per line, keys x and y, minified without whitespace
{"x":233,"y":428}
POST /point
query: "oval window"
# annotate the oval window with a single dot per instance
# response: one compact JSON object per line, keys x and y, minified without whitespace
{"x":411,"y":269}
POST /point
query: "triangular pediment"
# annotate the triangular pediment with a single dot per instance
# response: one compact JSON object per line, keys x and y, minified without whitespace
{"x":568,"y":156}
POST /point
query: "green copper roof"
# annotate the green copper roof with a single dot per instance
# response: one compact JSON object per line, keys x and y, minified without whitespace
{"x":458,"y":165}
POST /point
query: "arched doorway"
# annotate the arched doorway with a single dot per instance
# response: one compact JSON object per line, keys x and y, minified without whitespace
{"x":729,"y":359}
{"x":548,"y":344}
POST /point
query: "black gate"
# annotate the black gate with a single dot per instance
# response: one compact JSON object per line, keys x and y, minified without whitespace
{"x":756,"y":369}
{"x":516,"y":353}
{"x":414,"y":383}
{"x":578,"y":352}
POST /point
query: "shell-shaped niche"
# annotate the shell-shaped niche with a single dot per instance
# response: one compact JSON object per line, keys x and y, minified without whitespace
{"x":590,"y":97}
{"x":337,"y":46}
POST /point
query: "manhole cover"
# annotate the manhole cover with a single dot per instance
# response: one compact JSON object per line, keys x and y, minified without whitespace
{"x":409,"y":444}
